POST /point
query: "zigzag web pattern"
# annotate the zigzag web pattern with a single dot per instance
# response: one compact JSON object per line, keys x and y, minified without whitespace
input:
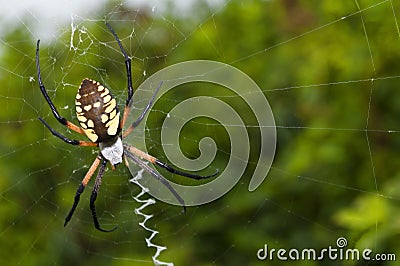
{"x":138,"y":211}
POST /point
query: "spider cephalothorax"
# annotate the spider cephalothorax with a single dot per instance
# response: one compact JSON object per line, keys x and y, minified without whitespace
{"x":99,"y":119}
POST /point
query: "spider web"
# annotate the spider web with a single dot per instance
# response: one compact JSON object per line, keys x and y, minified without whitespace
{"x":329,"y":70}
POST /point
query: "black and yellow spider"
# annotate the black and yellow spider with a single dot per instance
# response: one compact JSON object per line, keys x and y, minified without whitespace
{"x":99,"y":119}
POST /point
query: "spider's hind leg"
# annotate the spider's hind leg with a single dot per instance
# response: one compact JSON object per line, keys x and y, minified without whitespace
{"x":59,"y":118}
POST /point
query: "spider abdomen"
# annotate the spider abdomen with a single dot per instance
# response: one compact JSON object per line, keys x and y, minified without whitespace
{"x":97,"y":111}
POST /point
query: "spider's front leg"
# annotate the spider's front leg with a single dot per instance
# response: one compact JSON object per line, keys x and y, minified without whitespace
{"x":81,"y":188}
{"x":93,"y":197}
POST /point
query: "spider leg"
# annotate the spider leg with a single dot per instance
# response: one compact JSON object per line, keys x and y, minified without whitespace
{"x":127,"y":109}
{"x":160,"y":178}
{"x":181,"y":173}
{"x":127,"y":63}
{"x":164,"y":165}
{"x":60,"y":119}
{"x":93,"y":197}
{"x":67,"y":140}
{"x":81,"y":187}
{"x":141,"y":116}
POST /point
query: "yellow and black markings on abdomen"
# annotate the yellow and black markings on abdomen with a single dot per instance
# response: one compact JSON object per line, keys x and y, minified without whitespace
{"x":97,"y":111}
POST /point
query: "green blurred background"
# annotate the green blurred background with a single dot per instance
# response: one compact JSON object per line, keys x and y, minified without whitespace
{"x":329,"y":70}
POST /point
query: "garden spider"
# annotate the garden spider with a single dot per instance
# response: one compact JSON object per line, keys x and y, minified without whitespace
{"x":99,"y":119}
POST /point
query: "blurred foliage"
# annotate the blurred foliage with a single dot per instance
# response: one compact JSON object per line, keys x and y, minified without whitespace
{"x":335,"y":172}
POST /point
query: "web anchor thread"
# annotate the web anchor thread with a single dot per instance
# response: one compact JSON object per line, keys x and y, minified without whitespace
{"x":138,"y":211}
